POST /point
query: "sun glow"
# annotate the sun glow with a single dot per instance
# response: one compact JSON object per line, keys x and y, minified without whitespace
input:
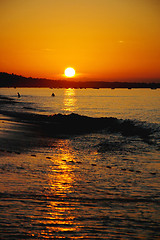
{"x":69,"y":72}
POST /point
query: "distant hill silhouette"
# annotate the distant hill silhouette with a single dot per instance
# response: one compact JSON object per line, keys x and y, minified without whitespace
{"x":13,"y":80}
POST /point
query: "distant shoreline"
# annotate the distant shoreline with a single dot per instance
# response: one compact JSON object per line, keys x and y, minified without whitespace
{"x":13,"y":80}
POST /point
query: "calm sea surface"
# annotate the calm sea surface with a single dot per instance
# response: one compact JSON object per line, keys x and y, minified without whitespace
{"x":98,"y":185}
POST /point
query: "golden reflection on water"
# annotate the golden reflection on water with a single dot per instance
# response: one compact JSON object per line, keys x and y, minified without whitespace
{"x":69,"y":100}
{"x":61,"y":218}
{"x":62,"y":172}
{"x":61,"y":179}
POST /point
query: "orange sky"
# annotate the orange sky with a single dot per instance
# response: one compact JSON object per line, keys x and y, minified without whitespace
{"x":101,"y":39}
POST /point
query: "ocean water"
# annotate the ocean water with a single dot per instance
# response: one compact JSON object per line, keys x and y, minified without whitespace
{"x":65,"y":176}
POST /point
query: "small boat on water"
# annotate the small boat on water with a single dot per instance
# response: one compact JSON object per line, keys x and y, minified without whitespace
{"x":18,"y":94}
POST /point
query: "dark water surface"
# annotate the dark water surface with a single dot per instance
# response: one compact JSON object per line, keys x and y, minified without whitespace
{"x":99,"y":184}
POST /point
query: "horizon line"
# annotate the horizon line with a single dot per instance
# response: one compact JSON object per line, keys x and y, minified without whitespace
{"x":74,"y":79}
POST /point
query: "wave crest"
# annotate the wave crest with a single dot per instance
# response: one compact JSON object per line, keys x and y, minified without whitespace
{"x":78,"y":124}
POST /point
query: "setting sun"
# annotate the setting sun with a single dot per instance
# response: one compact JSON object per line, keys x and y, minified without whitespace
{"x":69,"y":72}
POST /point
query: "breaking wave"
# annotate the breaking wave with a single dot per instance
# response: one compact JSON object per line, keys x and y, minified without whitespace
{"x":78,"y":124}
{"x":72,"y":124}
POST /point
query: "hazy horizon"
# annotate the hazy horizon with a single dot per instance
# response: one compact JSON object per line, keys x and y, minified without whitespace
{"x":76,"y":79}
